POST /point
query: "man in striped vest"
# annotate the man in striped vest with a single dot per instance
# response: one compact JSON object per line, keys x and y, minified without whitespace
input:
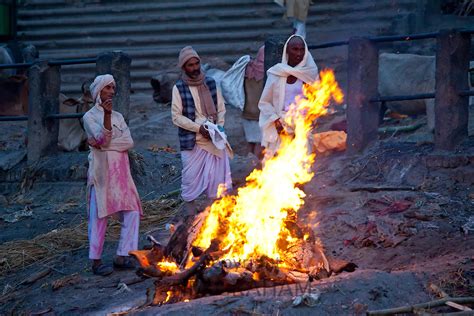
{"x":196,"y":99}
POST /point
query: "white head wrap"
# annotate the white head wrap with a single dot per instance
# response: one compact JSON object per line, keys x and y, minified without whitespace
{"x":99,"y":83}
{"x":306,"y":70}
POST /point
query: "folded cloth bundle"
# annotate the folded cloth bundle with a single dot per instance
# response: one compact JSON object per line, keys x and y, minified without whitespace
{"x":218,"y":136}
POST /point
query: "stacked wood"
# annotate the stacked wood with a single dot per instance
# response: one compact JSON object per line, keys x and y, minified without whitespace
{"x":210,"y":273}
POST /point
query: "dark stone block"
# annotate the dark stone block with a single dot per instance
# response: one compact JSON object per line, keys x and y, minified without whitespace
{"x":362,"y":116}
{"x":451,"y":109}
{"x":117,"y":64}
{"x":44,"y":87}
{"x":273,"y":51}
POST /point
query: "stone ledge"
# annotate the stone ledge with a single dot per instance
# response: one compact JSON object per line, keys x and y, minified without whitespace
{"x":60,"y":167}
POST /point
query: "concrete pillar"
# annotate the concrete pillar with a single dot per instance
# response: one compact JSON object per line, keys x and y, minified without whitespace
{"x":451,"y":109}
{"x":362,"y":116}
{"x":117,"y":64}
{"x":273,"y":51}
{"x":43,"y":100}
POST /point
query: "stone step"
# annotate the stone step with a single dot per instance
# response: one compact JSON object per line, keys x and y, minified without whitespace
{"x":159,"y":28}
{"x":143,"y":41}
{"x":54,"y":4}
{"x":152,"y":33}
{"x":113,"y":18}
{"x":156,"y":52}
{"x":134,"y":7}
{"x":147,"y":62}
{"x":248,"y":41}
{"x":235,"y":31}
{"x":98,"y":9}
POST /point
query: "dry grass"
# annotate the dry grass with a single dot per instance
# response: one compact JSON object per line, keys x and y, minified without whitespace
{"x":458,"y":283}
{"x":22,"y":253}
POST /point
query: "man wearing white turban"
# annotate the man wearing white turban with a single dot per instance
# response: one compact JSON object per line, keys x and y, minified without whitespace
{"x":284,"y":82}
{"x":110,"y":187}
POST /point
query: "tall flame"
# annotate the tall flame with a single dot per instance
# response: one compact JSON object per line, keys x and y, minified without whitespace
{"x":252,"y":223}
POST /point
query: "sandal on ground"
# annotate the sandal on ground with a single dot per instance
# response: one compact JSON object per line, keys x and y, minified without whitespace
{"x":126,"y":264}
{"x":102,"y":270}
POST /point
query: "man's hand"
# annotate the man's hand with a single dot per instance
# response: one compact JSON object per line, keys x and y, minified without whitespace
{"x":204,"y":132}
{"x":91,"y":142}
{"x":107,"y":105}
{"x":279,"y":126}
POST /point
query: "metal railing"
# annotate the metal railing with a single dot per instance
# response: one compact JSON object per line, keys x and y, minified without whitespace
{"x":443,"y":138}
{"x":388,"y":38}
{"x":59,"y":62}
{"x":43,"y":106}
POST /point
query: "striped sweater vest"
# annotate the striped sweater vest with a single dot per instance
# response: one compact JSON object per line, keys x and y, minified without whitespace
{"x":187,"y":139}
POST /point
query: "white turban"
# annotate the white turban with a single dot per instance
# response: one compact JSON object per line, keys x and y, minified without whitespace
{"x":99,"y":83}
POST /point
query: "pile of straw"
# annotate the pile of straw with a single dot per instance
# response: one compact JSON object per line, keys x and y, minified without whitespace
{"x":22,"y":253}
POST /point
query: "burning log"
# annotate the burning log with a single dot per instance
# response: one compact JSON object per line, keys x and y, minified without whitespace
{"x":214,"y":274}
{"x":209,"y":274}
{"x":180,"y":242}
{"x":179,"y":281}
{"x":304,"y":261}
{"x":149,"y":259}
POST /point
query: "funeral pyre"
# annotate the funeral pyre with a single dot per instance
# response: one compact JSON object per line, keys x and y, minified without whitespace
{"x":252,"y":239}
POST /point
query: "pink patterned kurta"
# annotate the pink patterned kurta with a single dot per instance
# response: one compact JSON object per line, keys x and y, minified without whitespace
{"x":109,"y":167}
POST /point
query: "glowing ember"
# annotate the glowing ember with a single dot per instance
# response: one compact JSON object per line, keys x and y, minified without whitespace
{"x":168,"y":296}
{"x":167,"y":266}
{"x":251,"y":224}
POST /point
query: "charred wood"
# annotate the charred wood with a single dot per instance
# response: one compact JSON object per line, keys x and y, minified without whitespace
{"x":339,"y":265}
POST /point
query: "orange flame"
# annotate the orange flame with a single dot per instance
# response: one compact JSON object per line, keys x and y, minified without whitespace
{"x":251,"y":223}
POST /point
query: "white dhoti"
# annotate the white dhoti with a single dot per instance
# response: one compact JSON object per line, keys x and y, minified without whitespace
{"x":203,"y":172}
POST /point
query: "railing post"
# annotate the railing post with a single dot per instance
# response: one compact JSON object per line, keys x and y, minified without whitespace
{"x":273,"y":51}
{"x":362,"y":116}
{"x":43,"y":99}
{"x":117,"y":64}
{"x":451,"y":109}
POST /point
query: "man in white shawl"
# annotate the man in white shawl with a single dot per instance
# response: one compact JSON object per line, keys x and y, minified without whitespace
{"x":284,"y":82}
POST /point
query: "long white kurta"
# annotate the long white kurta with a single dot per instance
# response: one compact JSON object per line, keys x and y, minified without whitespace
{"x":109,"y":167}
{"x":273,"y":96}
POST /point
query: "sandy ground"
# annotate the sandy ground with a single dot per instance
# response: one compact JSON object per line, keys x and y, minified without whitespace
{"x":411,"y":230}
